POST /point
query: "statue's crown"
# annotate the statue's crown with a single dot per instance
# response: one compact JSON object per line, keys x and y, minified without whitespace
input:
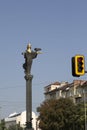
{"x":28,"y":46}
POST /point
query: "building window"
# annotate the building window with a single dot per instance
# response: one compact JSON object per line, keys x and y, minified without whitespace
{"x":53,"y":96}
{"x":78,"y":100}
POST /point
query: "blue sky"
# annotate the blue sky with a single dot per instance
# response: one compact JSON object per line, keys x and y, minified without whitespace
{"x":59,"y":27}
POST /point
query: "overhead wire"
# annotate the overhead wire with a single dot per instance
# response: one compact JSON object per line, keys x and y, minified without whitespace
{"x":35,"y":84}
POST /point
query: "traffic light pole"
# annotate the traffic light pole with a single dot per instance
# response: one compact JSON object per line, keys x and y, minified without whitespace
{"x":29,"y":55}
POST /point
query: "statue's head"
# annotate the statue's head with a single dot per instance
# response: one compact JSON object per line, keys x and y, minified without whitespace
{"x":29,"y":48}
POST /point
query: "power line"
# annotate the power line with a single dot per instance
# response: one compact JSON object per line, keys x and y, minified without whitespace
{"x":35,"y":84}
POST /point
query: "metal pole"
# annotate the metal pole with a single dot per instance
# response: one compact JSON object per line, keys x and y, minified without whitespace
{"x":85,"y":108}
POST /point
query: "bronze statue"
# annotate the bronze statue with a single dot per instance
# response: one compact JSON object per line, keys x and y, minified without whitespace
{"x":29,"y":55}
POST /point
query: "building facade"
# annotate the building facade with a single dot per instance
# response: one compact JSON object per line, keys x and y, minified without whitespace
{"x":20,"y":118}
{"x":76,"y":90}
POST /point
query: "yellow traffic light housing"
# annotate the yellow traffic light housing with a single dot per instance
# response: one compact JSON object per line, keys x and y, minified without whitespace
{"x":79,"y":65}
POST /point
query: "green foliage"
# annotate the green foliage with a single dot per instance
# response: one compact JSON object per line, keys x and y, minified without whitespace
{"x":15,"y":127}
{"x":61,"y":114}
{"x":11,"y":127}
{"x":2,"y":125}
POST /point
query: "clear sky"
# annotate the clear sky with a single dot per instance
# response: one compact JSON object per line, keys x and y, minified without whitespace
{"x":59,"y":27}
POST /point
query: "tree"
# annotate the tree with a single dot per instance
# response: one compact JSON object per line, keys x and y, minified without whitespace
{"x":81,"y":115}
{"x":61,"y":114}
{"x":15,"y":127}
{"x":2,"y":125}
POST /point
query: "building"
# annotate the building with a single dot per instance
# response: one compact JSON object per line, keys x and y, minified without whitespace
{"x":20,"y":118}
{"x":11,"y":119}
{"x":75,"y":90}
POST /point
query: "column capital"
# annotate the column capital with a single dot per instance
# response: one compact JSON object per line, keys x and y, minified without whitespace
{"x":28,"y":77}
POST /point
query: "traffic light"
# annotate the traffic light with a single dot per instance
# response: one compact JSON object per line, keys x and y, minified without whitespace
{"x":78,"y":65}
{"x":73,"y":67}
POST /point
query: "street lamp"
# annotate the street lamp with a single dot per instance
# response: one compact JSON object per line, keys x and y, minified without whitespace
{"x":29,"y":55}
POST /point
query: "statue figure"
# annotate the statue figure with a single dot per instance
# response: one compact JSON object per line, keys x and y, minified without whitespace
{"x":29,"y":55}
